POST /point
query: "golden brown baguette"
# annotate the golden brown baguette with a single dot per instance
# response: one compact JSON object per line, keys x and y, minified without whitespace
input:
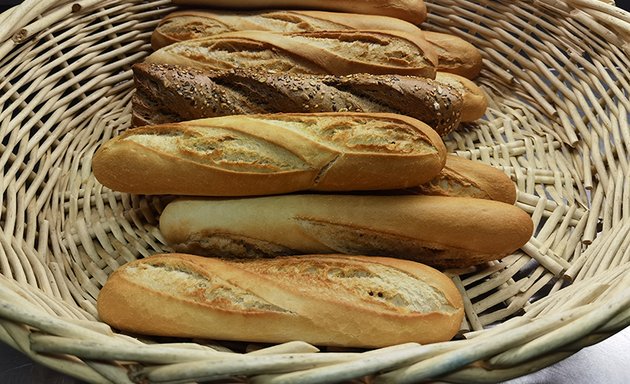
{"x":169,"y":93}
{"x":269,"y":154}
{"x":475,"y":100}
{"x":329,"y":300}
{"x":467,"y":178}
{"x":435,"y":230}
{"x":324,"y":52}
{"x":413,"y":11}
{"x":455,"y":55}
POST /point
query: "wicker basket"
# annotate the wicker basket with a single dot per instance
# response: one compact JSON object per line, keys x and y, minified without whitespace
{"x":556,"y":73}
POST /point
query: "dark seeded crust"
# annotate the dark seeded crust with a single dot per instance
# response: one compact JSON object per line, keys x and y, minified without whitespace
{"x":168,"y":93}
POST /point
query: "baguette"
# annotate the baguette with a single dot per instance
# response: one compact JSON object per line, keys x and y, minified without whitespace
{"x":324,"y":52}
{"x":467,"y":178}
{"x":455,"y":54}
{"x":413,"y":11}
{"x":453,"y":232}
{"x":330,"y":300}
{"x":270,"y":154}
{"x":475,"y":100}
{"x":167,"y":93}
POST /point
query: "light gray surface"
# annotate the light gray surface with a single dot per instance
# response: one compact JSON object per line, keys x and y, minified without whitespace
{"x":607,"y":362}
{"x":16,"y":368}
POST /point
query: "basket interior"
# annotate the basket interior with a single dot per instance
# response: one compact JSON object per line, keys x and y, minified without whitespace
{"x":557,"y":124}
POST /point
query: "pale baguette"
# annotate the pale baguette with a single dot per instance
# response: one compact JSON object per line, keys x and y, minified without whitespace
{"x":413,"y":11}
{"x":329,"y":300}
{"x":455,"y":54}
{"x":170,"y":93}
{"x":435,"y":230}
{"x":324,"y":52}
{"x":468,"y":178}
{"x":269,"y":154}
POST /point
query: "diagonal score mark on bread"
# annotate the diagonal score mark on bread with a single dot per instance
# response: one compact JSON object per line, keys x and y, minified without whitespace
{"x":354,"y":239}
{"x":170,"y":93}
{"x":225,"y":244}
{"x":428,"y":229}
{"x":190,"y":284}
{"x":224,"y":148}
{"x":362,"y":134}
{"x":324,"y":52}
{"x":331,"y":300}
{"x":271,"y":154}
{"x":238,"y":149}
{"x":374,"y":284}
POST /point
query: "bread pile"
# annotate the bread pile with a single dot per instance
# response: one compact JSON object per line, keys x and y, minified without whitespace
{"x":305,"y":150}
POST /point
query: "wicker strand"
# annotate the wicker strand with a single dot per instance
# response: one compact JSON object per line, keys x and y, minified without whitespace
{"x":559,"y":337}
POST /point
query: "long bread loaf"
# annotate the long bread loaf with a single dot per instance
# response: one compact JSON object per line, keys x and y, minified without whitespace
{"x":455,"y":55}
{"x":435,"y":230}
{"x":413,"y":11}
{"x":330,"y":300}
{"x":325,"y":52}
{"x":168,"y":93}
{"x":269,"y":154}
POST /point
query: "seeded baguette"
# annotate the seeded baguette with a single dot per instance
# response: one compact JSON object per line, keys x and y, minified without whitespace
{"x":168,"y":93}
{"x":324,"y":52}
{"x":438,"y":231}
{"x":468,"y":178}
{"x":413,"y":11}
{"x":328,"y":300}
{"x":475,"y":100}
{"x":455,"y":55}
{"x":269,"y":154}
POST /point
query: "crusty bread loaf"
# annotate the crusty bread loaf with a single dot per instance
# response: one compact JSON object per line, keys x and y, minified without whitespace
{"x":467,"y":178}
{"x":269,"y":154}
{"x":455,"y":54}
{"x":475,"y":100}
{"x":324,"y":52}
{"x":169,"y":93}
{"x":413,"y":11}
{"x":328,"y":300}
{"x":435,"y":230}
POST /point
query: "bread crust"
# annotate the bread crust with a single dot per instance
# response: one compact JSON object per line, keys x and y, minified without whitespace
{"x":169,"y":93}
{"x":332,"y":300}
{"x":270,"y":154}
{"x":474,"y":98}
{"x":413,"y":11}
{"x":323,"y":52}
{"x":435,"y":230}
{"x":455,"y":55}
{"x":464,"y":177}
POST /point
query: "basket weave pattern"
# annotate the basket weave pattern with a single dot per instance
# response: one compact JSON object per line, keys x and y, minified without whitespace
{"x":557,"y":76}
